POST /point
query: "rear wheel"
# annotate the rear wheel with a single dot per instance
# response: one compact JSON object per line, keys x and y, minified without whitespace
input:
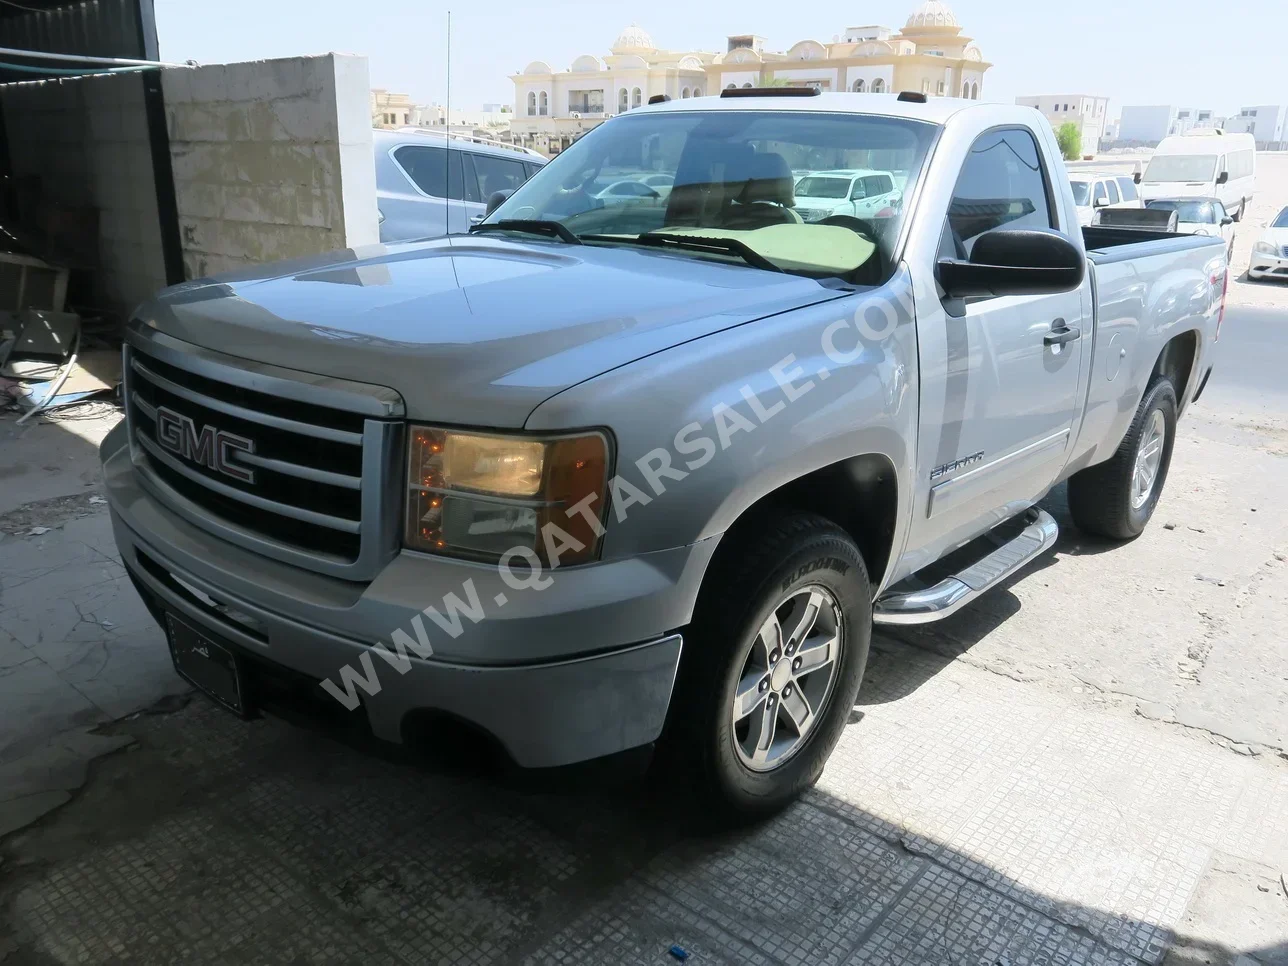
{"x":1116,"y":499}
{"x":772,"y":666}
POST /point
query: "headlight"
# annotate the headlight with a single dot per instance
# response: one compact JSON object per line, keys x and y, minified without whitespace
{"x":480,"y":495}
{"x":1265,"y":248}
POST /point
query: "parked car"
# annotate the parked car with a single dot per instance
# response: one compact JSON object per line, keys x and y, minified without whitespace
{"x":631,"y":192}
{"x":1270,"y":253}
{"x":1204,"y":164}
{"x":413,"y":187}
{"x":584,"y":486}
{"x":1092,"y":191}
{"x":1199,"y":216}
{"x":861,"y":194}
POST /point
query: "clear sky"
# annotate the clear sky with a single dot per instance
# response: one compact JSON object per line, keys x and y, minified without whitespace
{"x":1219,"y":54}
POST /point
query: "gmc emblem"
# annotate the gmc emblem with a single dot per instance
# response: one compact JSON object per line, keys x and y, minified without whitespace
{"x":212,"y":448}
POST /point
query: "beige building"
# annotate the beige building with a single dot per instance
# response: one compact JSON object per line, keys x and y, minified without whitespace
{"x":552,"y":108}
{"x":389,"y":110}
{"x":1089,"y":113}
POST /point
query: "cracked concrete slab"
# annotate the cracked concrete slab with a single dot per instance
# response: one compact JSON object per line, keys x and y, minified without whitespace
{"x":46,"y":777}
{"x":35,"y":705}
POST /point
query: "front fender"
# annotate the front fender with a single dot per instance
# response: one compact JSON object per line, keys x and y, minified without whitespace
{"x":706,"y":429}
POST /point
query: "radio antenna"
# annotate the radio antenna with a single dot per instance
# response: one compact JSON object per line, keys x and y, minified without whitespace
{"x":447,"y":135}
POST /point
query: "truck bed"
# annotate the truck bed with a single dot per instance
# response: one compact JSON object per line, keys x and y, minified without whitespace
{"x":1108,"y":245}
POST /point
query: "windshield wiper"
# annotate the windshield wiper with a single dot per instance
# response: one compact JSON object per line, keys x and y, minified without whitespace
{"x":535,"y":226}
{"x":697,"y":243}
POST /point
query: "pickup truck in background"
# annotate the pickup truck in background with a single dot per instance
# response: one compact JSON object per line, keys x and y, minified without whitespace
{"x":592,"y":477}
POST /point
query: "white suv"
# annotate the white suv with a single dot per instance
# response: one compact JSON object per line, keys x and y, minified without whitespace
{"x":859,"y":193}
{"x":1092,"y":190}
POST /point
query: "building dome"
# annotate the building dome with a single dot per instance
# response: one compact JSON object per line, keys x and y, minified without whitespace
{"x":933,"y":13}
{"x":634,"y":37}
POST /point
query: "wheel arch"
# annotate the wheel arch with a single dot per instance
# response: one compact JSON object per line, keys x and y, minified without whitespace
{"x":1177,"y":362}
{"x":859,"y":494}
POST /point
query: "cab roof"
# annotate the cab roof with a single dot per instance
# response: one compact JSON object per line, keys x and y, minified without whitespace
{"x":936,"y":110}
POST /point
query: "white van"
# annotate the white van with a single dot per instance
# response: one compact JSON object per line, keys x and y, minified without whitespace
{"x":1204,"y":164}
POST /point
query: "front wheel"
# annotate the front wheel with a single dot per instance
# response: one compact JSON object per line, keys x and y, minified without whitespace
{"x":1116,"y":498}
{"x":772,"y":665}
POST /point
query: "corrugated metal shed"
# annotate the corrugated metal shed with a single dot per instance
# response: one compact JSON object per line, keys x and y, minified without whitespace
{"x":97,"y":28}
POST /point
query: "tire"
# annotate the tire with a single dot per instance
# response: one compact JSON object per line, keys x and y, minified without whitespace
{"x":776,"y":574}
{"x":1102,"y":498}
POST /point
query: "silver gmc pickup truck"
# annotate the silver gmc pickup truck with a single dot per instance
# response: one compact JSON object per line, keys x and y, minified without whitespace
{"x":603,"y":475}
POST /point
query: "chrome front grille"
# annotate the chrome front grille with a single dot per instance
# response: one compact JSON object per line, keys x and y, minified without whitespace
{"x":290,"y":465}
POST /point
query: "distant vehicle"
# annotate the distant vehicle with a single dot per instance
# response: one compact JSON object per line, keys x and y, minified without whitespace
{"x":1138,"y":219}
{"x":1204,"y":164}
{"x":1092,"y":190}
{"x":412,"y":183}
{"x":631,"y":192}
{"x":1127,"y":187}
{"x":1270,"y":254}
{"x":658,"y":180}
{"x":860,"y":193}
{"x":1198,"y":216}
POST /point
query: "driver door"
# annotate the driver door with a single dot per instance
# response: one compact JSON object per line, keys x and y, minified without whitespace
{"x":1000,"y":376}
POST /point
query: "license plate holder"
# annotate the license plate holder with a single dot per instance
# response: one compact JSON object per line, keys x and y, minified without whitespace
{"x":208,"y":666}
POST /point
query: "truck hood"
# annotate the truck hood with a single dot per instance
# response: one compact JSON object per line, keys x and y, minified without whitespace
{"x":473,"y":330}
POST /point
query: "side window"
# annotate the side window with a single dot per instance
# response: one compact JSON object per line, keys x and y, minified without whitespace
{"x":1113,"y":192}
{"x":1129,"y":189}
{"x":427,"y":168}
{"x":497,"y":174}
{"x":1002,"y":185}
{"x":1102,"y":194}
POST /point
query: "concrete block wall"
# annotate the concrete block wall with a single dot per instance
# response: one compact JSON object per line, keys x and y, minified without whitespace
{"x":85,"y":142}
{"x":272,"y":159}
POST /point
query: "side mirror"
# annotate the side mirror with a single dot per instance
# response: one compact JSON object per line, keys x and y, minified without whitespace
{"x":1017,"y":261}
{"x":1101,"y":202}
{"x":495,"y":200}
{"x":1227,"y":220}
{"x":1223,"y":177}
{"x":1136,"y":177}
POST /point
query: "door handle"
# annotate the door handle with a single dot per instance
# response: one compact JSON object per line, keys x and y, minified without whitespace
{"x":476,"y":219}
{"x":1061,"y":333}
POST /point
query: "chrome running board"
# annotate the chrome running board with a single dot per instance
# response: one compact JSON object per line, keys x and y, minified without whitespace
{"x":953,"y":593}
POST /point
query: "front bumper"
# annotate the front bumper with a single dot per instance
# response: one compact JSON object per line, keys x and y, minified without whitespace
{"x":587,"y":688}
{"x":1262,"y":265}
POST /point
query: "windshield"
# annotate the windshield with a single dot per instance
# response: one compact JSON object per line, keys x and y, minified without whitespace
{"x":1181,"y":167}
{"x":732,"y":182}
{"x":1194,"y":212}
{"x":1282,"y":220}
{"x":823,"y":187}
{"x":1081,"y":193}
